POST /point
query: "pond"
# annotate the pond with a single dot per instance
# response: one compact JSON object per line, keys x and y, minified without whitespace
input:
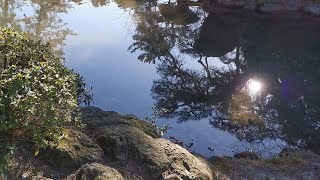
{"x":232,"y":81}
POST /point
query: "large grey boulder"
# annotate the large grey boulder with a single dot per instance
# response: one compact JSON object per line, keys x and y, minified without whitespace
{"x":152,"y":157}
{"x":96,"y":171}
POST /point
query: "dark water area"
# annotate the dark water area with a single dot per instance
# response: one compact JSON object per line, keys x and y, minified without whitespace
{"x":232,"y":81}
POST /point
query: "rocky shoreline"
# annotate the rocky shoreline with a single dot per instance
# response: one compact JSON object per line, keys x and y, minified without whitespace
{"x":116,"y":147}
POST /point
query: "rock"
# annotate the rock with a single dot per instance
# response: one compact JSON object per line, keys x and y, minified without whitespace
{"x":138,"y":155}
{"x":312,"y":9}
{"x":272,"y":8}
{"x":285,"y":152}
{"x":73,"y":151}
{"x":250,"y":5}
{"x":23,"y":164}
{"x":247,"y":155}
{"x":232,"y":3}
{"x":152,"y":156}
{"x":214,"y":159}
{"x":222,"y":165}
{"x":292,"y":5}
{"x":40,"y":177}
{"x":95,"y":118}
{"x":276,"y":6}
{"x":96,"y":171}
{"x":298,"y":165}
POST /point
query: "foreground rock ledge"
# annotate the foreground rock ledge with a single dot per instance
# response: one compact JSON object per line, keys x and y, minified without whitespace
{"x":128,"y":140}
{"x":113,"y":147}
{"x":151,"y":156}
{"x":120,"y":147}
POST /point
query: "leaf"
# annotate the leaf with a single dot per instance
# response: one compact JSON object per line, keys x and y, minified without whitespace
{"x":37,"y":150}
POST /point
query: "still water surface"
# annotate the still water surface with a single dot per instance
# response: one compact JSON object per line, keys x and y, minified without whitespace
{"x":231,"y":81}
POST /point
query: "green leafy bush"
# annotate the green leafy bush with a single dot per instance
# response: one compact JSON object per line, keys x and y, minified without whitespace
{"x":6,"y":149}
{"x":37,"y":92}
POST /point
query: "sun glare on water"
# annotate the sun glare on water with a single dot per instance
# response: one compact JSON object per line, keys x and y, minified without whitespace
{"x":254,"y":85}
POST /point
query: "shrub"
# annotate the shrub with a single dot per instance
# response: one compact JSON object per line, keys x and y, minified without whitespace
{"x":37,"y":92}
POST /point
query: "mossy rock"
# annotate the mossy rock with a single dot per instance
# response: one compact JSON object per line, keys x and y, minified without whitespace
{"x":96,"y":171}
{"x":150,"y":156}
{"x":95,"y":118}
{"x":247,"y":155}
{"x":73,"y":151}
{"x":221,"y":164}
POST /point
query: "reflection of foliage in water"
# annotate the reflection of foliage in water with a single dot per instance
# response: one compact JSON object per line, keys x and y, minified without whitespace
{"x":155,"y":36}
{"x":99,"y":3}
{"x":287,"y":62}
{"x":41,"y":20}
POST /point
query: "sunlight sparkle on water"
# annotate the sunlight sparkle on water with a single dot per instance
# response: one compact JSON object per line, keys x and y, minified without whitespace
{"x":254,"y":85}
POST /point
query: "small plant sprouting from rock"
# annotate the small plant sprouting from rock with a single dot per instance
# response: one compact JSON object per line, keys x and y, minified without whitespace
{"x":154,"y":118}
{"x":84,"y":95}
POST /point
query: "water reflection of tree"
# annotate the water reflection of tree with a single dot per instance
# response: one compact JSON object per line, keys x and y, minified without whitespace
{"x":287,"y":61}
{"x":99,"y":3}
{"x":151,"y":39}
{"x":43,"y":21}
{"x":156,"y":36}
{"x":8,"y":15}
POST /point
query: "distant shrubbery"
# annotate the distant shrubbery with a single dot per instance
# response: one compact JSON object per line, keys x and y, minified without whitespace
{"x":37,"y":92}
